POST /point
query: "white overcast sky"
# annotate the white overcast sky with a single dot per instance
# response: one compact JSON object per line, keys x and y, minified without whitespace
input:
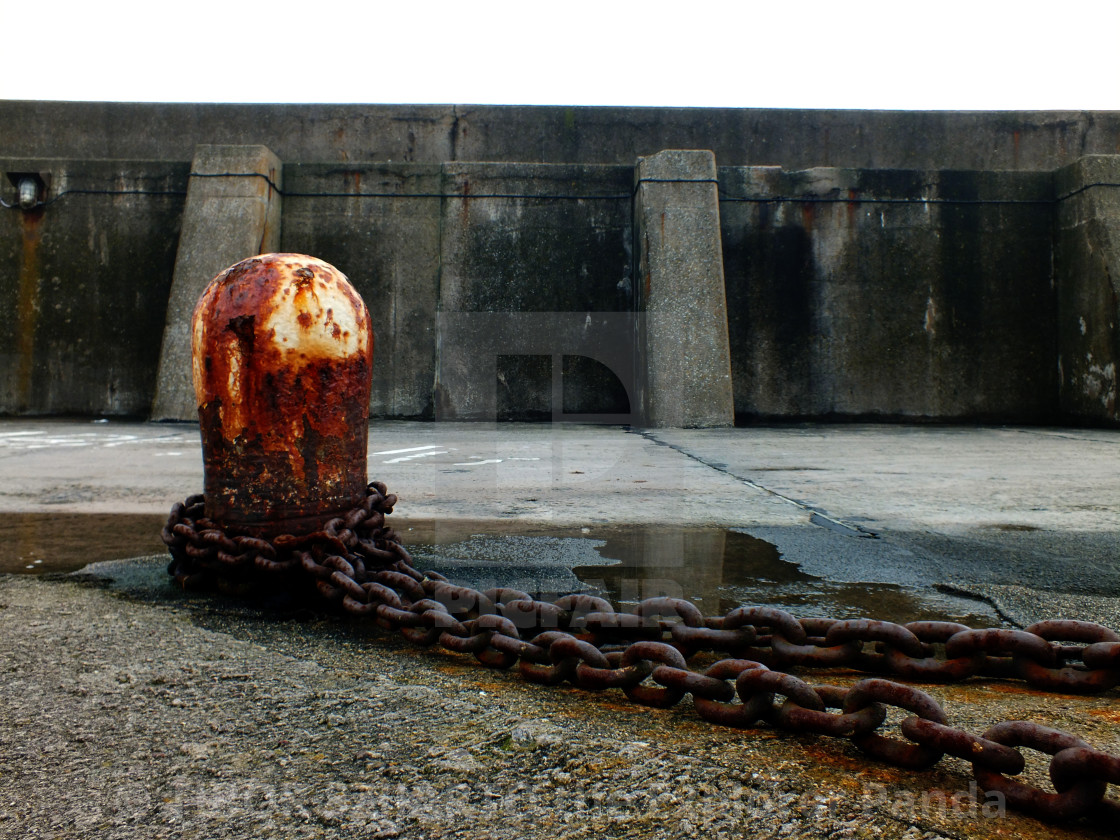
{"x":908,"y":54}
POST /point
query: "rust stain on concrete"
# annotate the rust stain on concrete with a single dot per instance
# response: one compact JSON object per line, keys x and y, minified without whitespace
{"x":27,"y":307}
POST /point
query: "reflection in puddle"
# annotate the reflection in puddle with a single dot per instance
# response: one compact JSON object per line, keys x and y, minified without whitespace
{"x":694,"y":563}
{"x":35,"y":543}
{"x":720,"y":569}
{"x":716,"y":569}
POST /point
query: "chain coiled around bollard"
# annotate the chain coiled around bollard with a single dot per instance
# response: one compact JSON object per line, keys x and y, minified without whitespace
{"x":204,"y":554}
{"x":357,"y":563}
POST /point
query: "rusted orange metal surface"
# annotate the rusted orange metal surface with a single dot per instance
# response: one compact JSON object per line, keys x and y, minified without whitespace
{"x":282,"y":353}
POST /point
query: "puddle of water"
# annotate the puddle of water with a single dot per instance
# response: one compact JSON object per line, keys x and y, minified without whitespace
{"x":714,"y":568}
{"x":719,"y":569}
{"x":35,"y":543}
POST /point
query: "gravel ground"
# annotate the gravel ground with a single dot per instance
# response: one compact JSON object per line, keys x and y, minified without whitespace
{"x":133,"y":711}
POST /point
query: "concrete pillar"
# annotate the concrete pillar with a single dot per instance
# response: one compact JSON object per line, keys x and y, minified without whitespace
{"x":687,"y":379}
{"x":232,"y":212}
{"x":1087,"y":271}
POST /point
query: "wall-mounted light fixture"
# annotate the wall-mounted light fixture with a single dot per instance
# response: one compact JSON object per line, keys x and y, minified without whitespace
{"x":28,"y":193}
{"x":31,"y":188}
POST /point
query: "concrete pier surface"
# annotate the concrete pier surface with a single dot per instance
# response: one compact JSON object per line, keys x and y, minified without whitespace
{"x":132,"y":709}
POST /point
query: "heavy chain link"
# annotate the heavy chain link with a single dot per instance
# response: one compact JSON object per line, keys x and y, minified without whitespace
{"x":205,"y":554}
{"x":357,"y":563}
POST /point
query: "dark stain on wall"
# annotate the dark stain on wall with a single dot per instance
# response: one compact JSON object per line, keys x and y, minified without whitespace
{"x":88,"y":283}
{"x":891,"y":295}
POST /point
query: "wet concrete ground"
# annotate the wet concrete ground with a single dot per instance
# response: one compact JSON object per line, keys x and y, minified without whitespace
{"x":986,"y":525}
{"x":1025,"y":519}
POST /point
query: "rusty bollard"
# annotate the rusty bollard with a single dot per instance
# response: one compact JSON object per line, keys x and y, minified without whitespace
{"x":282,"y":353}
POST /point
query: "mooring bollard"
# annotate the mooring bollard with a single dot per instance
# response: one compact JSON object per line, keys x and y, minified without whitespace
{"x":282,"y":352}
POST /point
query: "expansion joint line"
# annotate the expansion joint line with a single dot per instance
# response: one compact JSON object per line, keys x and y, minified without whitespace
{"x":816,"y":516}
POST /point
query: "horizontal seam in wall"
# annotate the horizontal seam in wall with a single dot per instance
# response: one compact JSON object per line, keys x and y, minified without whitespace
{"x":778,"y":199}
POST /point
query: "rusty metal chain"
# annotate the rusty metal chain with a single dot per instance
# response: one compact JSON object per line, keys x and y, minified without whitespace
{"x":357,"y":563}
{"x":203,"y":553}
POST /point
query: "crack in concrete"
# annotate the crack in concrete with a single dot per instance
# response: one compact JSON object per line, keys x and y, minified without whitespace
{"x":816,"y":516}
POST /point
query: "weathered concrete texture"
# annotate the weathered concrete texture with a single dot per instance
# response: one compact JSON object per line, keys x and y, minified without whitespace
{"x":1087,"y":260}
{"x":978,"y":508}
{"x":229,"y":215}
{"x":164,"y":716}
{"x":380,"y":225}
{"x":84,"y":283}
{"x":867,"y":293}
{"x":687,"y":367}
{"x":933,"y":294}
{"x":535,"y":272}
{"x":796,"y":139}
{"x":138,"y":710}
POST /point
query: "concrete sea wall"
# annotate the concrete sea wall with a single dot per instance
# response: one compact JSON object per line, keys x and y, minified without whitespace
{"x":891,"y":293}
{"x":84,"y":285}
{"x":794,"y":139}
{"x":517,"y":263}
